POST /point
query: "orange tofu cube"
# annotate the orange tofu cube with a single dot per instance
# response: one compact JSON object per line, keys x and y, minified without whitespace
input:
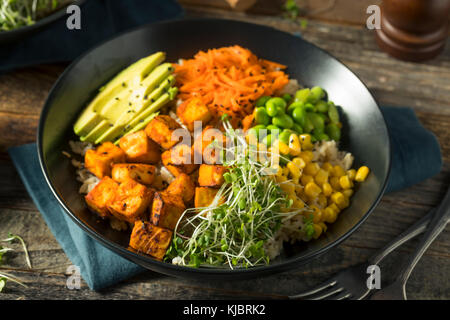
{"x":102,"y":194}
{"x":131,"y":201}
{"x":142,"y":173}
{"x":211,"y":175}
{"x":166,"y":210}
{"x":160,"y":130}
{"x":100,"y":161}
{"x":182,"y":186}
{"x":138,"y":147}
{"x":204,"y":196}
{"x":205,"y":154}
{"x":150,"y":239}
{"x":179,"y":160}
{"x":195,"y":110}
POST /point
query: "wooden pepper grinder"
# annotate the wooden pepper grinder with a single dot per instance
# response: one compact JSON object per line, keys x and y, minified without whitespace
{"x":413,"y":30}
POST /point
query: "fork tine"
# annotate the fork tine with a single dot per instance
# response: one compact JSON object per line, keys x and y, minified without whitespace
{"x":328,"y":294}
{"x":342,"y":296}
{"x":316,"y":290}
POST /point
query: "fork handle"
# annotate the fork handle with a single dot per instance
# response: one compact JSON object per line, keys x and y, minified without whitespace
{"x":435,"y":227}
{"x":416,"y":229}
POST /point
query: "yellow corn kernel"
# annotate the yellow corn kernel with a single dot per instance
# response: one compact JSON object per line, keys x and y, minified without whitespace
{"x":281,"y":179}
{"x":338,"y":171}
{"x":338,"y":198}
{"x":298,"y":188}
{"x":362,"y":173}
{"x":305,"y":140}
{"x":327,"y":167}
{"x":317,"y":231}
{"x":298,"y":203}
{"x":324,"y":226}
{"x":322,"y":200}
{"x":344,"y":204}
{"x":288,"y":187}
{"x":334,"y":207}
{"x":282,"y":147}
{"x":278,"y":170}
{"x":317,"y":214}
{"x":327,"y":189}
{"x":285,"y":171}
{"x":299,"y":162}
{"x":312,"y":190}
{"x":334,"y":181}
{"x":307,"y":156}
{"x":345,"y":182}
{"x":312,"y":168}
{"x":329,"y":215}
{"x":348,"y":193}
{"x":305,"y":179}
{"x":321,"y":177}
{"x":294,"y":170}
{"x":351,"y":174}
{"x":294,"y":145}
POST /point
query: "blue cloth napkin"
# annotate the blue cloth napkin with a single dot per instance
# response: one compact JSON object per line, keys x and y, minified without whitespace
{"x":416,"y":156}
{"x":100,"y":20}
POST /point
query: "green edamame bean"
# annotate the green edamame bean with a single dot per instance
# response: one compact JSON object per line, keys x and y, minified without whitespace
{"x":267,"y":140}
{"x":272,"y":110}
{"x":255,"y":130}
{"x":284,"y":136}
{"x":261,"y":116}
{"x":297,"y":128}
{"x":320,"y":136}
{"x":333,"y":131}
{"x":308,"y":127}
{"x":274,"y":105}
{"x":294,"y":105}
{"x":310,"y":107}
{"x":280,"y":110}
{"x":316,"y":120}
{"x":302,"y":95}
{"x":272,"y":127}
{"x":322,"y":106}
{"x":283,"y":121}
{"x":286,"y":97}
{"x":261,"y":102}
{"x":316,"y":94}
{"x":333,"y":112}
{"x":323,"y":116}
{"x":299,"y":115}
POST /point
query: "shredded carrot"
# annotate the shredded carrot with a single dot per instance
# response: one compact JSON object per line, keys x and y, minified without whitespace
{"x":228,"y":80}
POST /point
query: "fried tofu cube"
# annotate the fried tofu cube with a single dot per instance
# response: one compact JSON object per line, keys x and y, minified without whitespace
{"x":100,"y":161}
{"x":211,"y":175}
{"x":179,"y":160}
{"x":160,"y":130}
{"x":102,"y":194}
{"x":138,"y":147}
{"x":150,"y":239}
{"x":205,"y":153}
{"x":195,"y":110}
{"x":142,"y":173}
{"x":131,"y":201}
{"x":182,"y":186}
{"x":204,"y":196}
{"x":166,"y":210}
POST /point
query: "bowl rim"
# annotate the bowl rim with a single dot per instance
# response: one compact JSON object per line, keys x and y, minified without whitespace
{"x":42,"y":22}
{"x":161,"y":266}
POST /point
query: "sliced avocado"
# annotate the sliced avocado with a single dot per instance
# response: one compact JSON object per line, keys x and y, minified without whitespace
{"x":134,"y":73}
{"x":140,"y":126}
{"x":97,"y":131}
{"x":135,"y":99}
{"x":118,"y":130}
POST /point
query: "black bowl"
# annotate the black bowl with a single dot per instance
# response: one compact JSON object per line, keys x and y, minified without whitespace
{"x":365,"y":134}
{"x":22,"y":32}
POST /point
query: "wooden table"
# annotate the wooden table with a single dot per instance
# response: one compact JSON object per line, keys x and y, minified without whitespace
{"x":425,"y":87}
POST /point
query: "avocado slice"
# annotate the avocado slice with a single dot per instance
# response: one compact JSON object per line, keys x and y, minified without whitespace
{"x":119,"y":129}
{"x":135,"y":73}
{"x":97,"y":131}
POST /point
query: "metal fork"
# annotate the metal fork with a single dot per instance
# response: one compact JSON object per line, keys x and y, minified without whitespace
{"x":351,"y":283}
{"x":397,"y":290}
